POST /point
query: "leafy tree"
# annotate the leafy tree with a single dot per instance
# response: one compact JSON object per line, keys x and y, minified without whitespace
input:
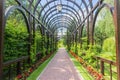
{"x":104,"y":26}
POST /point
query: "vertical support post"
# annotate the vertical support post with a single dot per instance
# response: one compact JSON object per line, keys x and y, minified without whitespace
{"x":72,"y":36}
{"x":45,"y":45}
{"x":43,"y":38}
{"x":97,"y":62}
{"x":79,"y":35}
{"x":81,"y":29}
{"x":68,"y":41}
{"x":9,"y":72}
{"x":110,"y":71}
{"x":87,"y":32}
{"x":91,"y":27}
{"x":74,"y":41}
{"x":76,"y":50}
{"x":29,"y":47}
{"x":53,"y":43}
{"x":18,"y":68}
{"x":117,"y":35}
{"x":50,"y":43}
{"x":102,"y":67}
{"x":91,"y":32}
{"x":1,"y":36}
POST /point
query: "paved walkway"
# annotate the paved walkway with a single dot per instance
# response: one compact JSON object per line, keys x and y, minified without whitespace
{"x":60,"y":68}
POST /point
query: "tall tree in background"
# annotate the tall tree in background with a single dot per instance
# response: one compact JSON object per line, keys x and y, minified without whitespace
{"x":104,"y":26}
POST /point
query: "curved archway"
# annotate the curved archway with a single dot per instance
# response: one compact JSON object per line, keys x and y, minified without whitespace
{"x":44,"y":18}
{"x":59,"y":17}
{"x":11,"y":9}
{"x":62,"y":13}
{"x":56,"y":0}
{"x":67,"y":6}
{"x":57,"y":20}
{"x":96,"y":14}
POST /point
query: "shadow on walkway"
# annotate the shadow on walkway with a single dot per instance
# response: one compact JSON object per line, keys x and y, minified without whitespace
{"x":60,"y":68}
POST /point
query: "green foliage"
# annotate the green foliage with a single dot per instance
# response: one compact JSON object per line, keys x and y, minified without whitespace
{"x":73,"y":47}
{"x":84,"y":32}
{"x":15,"y":40}
{"x":49,"y":50}
{"x":38,"y":41}
{"x":84,"y":42}
{"x":41,"y":44}
{"x":33,"y":52}
{"x":104,"y":44}
{"x":104,"y":26}
{"x":38,"y":71}
{"x":109,"y":49}
{"x":89,"y":55}
{"x":105,"y":32}
{"x":44,"y":51}
{"x":109,"y":45}
{"x":109,"y":2}
{"x":60,"y":43}
{"x":81,"y":69}
{"x":97,"y":48}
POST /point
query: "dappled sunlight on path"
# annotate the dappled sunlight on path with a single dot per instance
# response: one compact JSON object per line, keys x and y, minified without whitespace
{"x":60,"y":68}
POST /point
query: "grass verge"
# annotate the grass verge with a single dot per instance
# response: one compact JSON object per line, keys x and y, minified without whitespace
{"x":38,"y":71}
{"x":81,"y":69}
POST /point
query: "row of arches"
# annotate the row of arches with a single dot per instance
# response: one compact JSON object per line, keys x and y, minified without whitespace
{"x":73,"y":16}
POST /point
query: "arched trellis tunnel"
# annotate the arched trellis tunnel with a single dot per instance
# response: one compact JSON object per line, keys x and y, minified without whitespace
{"x":47,"y":16}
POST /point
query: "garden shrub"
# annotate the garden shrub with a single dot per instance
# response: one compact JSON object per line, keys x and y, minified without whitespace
{"x":84,"y":43}
{"x":33,"y":52}
{"x":15,"y":40}
{"x":109,"y":48}
{"x":109,"y":45}
{"x":60,"y":43}
{"x":38,"y":39}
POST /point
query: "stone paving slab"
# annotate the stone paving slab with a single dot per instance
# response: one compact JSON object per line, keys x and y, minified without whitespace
{"x":60,"y":68}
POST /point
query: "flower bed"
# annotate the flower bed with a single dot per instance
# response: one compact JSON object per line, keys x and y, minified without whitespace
{"x":26,"y":73}
{"x":90,"y":69}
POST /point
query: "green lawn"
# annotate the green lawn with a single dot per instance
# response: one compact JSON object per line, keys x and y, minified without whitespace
{"x":37,"y":72}
{"x":81,"y":69}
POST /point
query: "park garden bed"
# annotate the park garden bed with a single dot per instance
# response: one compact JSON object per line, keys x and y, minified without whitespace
{"x":32,"y":72}
{"x":93,"y":72}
